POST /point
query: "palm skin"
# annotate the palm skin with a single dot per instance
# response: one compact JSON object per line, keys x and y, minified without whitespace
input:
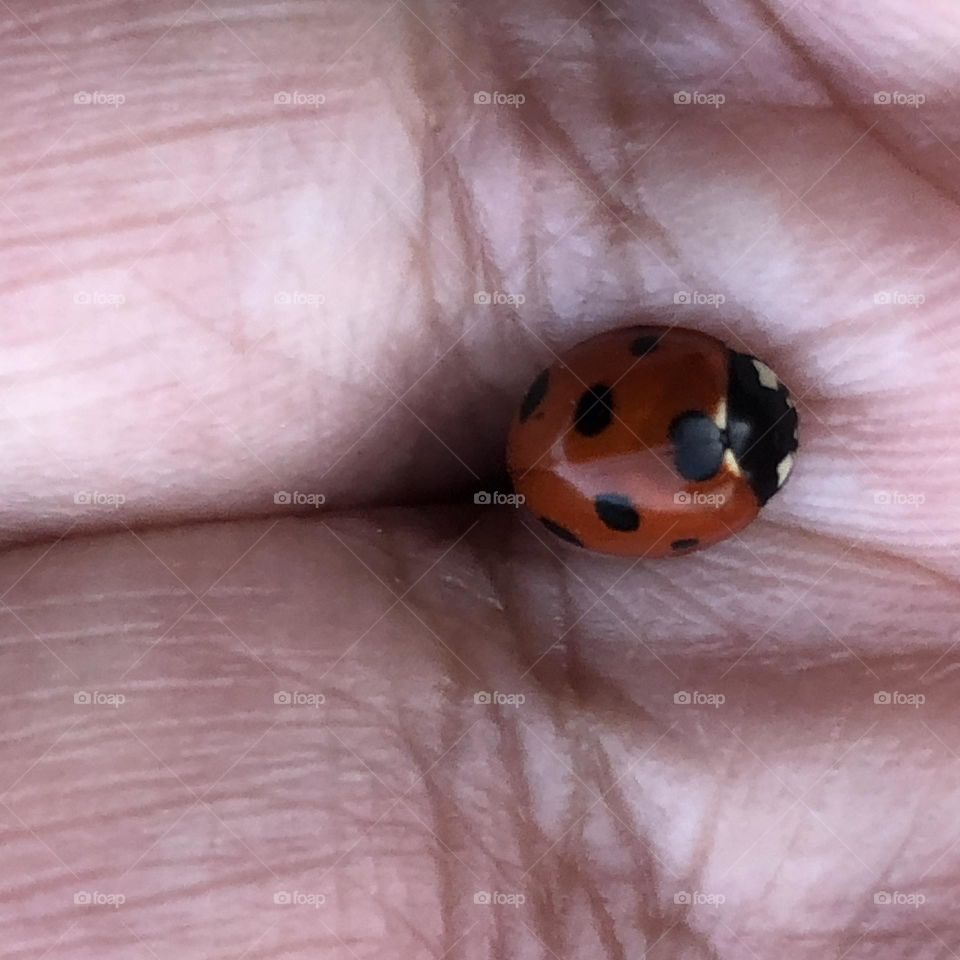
{"x":299,"y":314}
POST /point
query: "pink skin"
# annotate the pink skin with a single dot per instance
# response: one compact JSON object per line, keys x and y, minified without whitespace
{"x":599,"y":800}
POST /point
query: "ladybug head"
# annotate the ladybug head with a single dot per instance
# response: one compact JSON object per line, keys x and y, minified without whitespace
{"x":761,"y":424}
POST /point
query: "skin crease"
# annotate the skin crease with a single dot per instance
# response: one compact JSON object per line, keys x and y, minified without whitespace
{"x":815,"y":212}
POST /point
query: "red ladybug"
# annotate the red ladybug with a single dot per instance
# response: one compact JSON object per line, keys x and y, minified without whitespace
{"x":652,"y":441}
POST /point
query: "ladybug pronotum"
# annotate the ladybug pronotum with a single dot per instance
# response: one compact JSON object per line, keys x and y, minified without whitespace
{"x":652,"y":442}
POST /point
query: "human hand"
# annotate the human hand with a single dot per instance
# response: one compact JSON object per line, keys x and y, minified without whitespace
{"x":298,"y":312}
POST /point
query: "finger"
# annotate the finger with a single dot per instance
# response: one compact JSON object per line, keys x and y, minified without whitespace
{"x":382,"y":377}
{"x":204,"y":720}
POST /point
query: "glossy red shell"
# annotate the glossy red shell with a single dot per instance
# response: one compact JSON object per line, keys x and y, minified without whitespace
{"x":612,"y":444}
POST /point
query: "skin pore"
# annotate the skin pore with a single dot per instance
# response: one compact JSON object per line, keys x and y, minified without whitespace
{"x":213,"y":295}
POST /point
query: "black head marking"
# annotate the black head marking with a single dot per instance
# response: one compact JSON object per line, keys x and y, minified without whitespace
{"x":534,"y":396}
{"x":594,"y":410}
{"x":761,"y":424}
{"x":617,"y":512}
{"x":562,"y":532}
{"x":643,"y":345}
{"x":698,"y":445}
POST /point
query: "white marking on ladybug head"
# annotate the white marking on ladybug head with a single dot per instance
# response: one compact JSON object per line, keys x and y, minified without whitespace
{"x":730,"y":462}
{"x":783,"y":469}
{"x":720,"y":414}
{"x":767,"y":377}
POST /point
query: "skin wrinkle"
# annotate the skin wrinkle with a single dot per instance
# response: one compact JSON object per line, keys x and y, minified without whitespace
{"x":133,"y":224}
{"x":831,"y":83}
{"x":429,"y":254}
{"x":887,"y":558}
{"x":444,"y":821}
{"x":529,"y":837}
{"x":67,"y":160}
{"x":603,"y":923}
{"x":578,"y":800}
{"x":644,"y":878}
{"x":548,"y":135}
{"x":625,"y":114}
{"x":63,"y":17}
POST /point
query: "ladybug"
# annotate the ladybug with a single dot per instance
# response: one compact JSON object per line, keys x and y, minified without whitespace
{"x":652,"y":442}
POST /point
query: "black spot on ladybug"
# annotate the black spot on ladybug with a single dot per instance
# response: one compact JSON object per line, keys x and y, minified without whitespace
{"x":686,"y":544}
{"x":698,"y":445}
{"x":761,"y":425}
{"x":562,"y":532}
{"x":594,"y":410}
{"x":617,"y":512}
{"x":644,"y":345}
{"x":534,"y":396}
